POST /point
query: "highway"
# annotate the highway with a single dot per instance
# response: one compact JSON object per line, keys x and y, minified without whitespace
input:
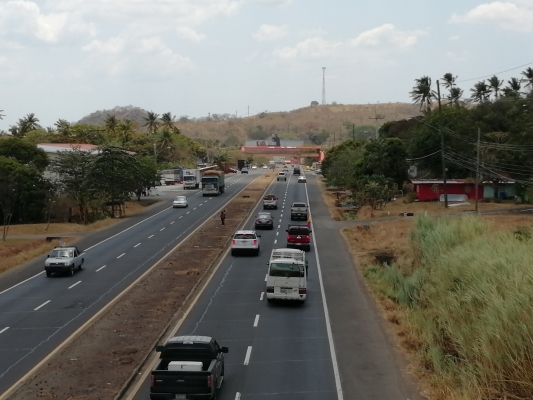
{"x":38,"y":313}
{"x":276,"y":350}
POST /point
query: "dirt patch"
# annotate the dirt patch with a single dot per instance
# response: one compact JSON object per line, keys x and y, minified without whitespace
{"x":97,"y":363}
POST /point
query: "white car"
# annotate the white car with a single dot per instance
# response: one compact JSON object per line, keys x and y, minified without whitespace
{"x":245,"y":241}
{"x":302,"y":179}
{"x":282,"y":176}
{"x":265,"y":167}
{"x":254,"y":166}
{"x":180,"y":202}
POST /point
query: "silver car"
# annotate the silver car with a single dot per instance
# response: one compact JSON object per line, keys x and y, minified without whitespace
{"x":180,"y":201}
{"x":64,"y":260}
{"x":245,"y":241}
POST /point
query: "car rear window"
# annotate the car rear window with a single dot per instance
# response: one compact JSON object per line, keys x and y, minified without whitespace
{"x":244,"y":236}
{"x":299,"y":231}
{"x":286,"y":270}
{"x":299,"y":205}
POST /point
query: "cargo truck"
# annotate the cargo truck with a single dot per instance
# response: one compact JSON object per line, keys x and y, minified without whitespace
{"x":213,"y":183}
{"x":190,"y":367}
{"x":287,"y":275}
{"x":191,"y":178}
{"x":171,"y":176}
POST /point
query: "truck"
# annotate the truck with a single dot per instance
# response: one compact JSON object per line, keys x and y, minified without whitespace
{"x":241,"y":164}
{"x":287,"y":275}
{"x":171,"y":176}
{"x":189,"y":367}
{"x":270,"y":201}
{"x":191,"y":178}
{"x":299,"y":237}
{"x":213,"y":183}
{"x":299,"y":211}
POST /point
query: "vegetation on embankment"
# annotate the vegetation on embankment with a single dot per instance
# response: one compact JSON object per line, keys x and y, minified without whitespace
{"x":462,"y":293}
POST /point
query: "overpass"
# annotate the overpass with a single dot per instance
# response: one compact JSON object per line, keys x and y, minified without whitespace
{"x":301,"y":151}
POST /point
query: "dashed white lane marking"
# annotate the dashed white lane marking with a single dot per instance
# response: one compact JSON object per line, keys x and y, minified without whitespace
{"x":138,"y":244}
{"x":281,"y":215}
{"x":205,"y":201}
{"x":266,"y":277}
{"x":279,"y":226}
{"x":200,"y":205}
{"x":121,"y":255}
{"x":256,"y":321}
{"x":181,"y":217}
{"x":5,"y":329}
{"x":275,"y":241}
{"x":247,"y":357}
{"x":101,"y":268}
{"x":77,"y":283}
{"x":194,"y":208}
{"x":42,"y":305}
{"x":172,"y":222}
{"x":260,"y":298}
{"x":162,"y":229}
{"x":277,"y":233}
{"x":151,"y":236}
{"x":188,"y":212}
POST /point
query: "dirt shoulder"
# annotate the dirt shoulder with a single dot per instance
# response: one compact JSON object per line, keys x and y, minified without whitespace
{"x":101,"y":358}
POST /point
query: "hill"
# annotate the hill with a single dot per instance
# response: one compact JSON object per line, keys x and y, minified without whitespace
{"x":339,"y":121}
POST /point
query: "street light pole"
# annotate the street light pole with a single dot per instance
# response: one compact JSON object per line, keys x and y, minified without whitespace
{"x":443,"y":158}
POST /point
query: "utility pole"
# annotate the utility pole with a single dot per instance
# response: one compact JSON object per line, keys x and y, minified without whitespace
{"x":155,"y":153}
{"x":375,"y":118}
{"x":443,"y":158}
{"x":353,"y":131}
{"x":477,"y":166}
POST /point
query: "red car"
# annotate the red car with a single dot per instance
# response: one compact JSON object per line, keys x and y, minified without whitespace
{"x":299,"y":237}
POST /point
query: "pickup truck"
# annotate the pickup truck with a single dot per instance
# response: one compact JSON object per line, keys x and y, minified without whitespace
{"x":299,"y":211}
{"x":299,"y":237}
{"x":270,"y":201}
{"x":190,"y":367}
{"x":64,"y":260}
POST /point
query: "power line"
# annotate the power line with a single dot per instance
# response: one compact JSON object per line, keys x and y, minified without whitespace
{"x":501,"y":72}
{"x":420,"y":158}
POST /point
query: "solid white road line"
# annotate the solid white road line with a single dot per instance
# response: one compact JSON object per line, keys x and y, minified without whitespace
{"x":138,"y":244}
{"x":162,"y":229}
{"x":5,"y":329}
{"x":256,"y":321}
{"x":77,"y":283}
{"x":42,"y":305}
{"x":266,"y":277}
{"x":260,"y":298}
{"x":121,"y":255}
{"x":151,"y":236}
{"x":247,"y":357}
{"x":101,"y":268}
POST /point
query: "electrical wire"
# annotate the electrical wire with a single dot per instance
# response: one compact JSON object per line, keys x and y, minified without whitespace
{"x":513,"y":169}
{"x":420,"y":158}
{"x":501,"y":72}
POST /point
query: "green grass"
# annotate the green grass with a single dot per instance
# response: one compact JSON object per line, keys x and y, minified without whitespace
{"x":468,"y":293}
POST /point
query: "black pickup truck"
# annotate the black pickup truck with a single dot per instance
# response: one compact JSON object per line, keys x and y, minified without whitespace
{"x":190,"y":367}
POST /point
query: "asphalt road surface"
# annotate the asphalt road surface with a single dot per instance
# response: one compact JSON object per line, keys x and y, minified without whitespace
{"x":38,"y":313}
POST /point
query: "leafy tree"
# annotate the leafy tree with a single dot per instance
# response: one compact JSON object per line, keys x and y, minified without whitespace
{"x":495,"y":86}
{"x":24,"y":152}
{"x":258,"y":133}
{"x":480,"y":92}
{"x":334,"y":153}
{"x":386,"y":157}
{"x":513,"y":88}
{"x":152,"y":122}
{"x":318,"y":137}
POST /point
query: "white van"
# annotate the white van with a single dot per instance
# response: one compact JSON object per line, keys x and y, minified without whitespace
{"x":287,"y":275}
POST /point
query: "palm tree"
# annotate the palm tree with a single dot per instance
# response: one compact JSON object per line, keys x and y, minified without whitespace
{"x":63,"y":128}
{"x":111,"y":123}
{"x":422,"y":92}
{"x":528,"y":74}
{"x":455,"y":96}
{"x":495,"y":85}
{"x":152,"y":122}
{"x":2,"y":115}
{"x":480,"y":92}
{"x":448,"y":80}
{"x":220,"y":158}
{"x":513,"y":88}
{"x":27,"y":124}
{"x":168,"y":122}
{"x":125,"y":130}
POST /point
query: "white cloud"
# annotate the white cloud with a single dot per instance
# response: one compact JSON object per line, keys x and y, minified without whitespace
{"x":387,"y":35}
{"x":270,"y":32}
{"x":517,"y":16}
{"x":310,"y":48}
{"x":274,"y":2}
{"x":111,"y":46}
{"x":190,"y":34}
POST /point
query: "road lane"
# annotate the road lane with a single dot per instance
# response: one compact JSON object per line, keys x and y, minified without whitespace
{"x":42,"y":312}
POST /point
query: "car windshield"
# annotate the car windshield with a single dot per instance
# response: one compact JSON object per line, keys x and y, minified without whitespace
{"x":244,"y":236}
{"x":286,"y":270}
{"x":62,"y":253}
{"x":180,"y":198}
{"x":188,"y":178}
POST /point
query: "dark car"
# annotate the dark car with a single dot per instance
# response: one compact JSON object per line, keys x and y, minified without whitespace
{"x":296,"y":171}
{"x":264,"y":220}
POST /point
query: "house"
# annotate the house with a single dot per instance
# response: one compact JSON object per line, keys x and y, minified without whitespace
{"x":51,"y":149}
{"x":504,"y":190}
{"x":457,"y":189}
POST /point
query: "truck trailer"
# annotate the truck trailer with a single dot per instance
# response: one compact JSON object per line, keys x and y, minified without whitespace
{"x":191,"y":178}
{"x":213,"y":183}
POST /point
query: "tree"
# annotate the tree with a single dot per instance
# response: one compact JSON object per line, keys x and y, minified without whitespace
{"x":168,"y":122}
{"x":495,"y":86}
{"x":15,"y":180}
{"x":152,"y":122}
{"x":387,"y":158}
{"x":111,"y":123}
{"x":318,"y":137}
{"x":448,"y":80}
{"x":220,"y":158}
{"x":314,"y":103}
{"x":480,"y":92}
{"x":513,"y":88}
{"x":528,"y":74}
{"x":422,"y":93}
{"x":24,"y":152}
{"x":455,"y":95}
{"x":27,"y":124}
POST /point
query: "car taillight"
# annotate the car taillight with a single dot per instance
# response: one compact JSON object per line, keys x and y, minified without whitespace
{"x":302,"y":291}
{"x":255,"y":242}
{"x":151,"y":380}
{"x":289,"y":237}
{"x":270,"y":289}
{"x":209,"y":381}
{"x":234,"y":242}
{"x":257,"y":221}
{"x":308,"y":238}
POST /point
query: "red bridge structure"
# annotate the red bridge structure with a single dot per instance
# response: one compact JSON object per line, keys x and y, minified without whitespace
{"x":301,"y":151}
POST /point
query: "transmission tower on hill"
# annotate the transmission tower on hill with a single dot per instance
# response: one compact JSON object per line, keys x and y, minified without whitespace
{"x":323,"y":86}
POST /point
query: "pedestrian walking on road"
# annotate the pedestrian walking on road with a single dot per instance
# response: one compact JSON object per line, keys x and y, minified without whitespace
{"x":223,"y":216}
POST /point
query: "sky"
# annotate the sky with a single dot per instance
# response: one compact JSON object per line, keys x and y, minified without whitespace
{"x":64,"y":59}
